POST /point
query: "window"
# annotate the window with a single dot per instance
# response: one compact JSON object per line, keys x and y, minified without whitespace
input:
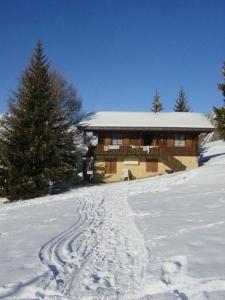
{"x":151,"y":165}
{"x":179,"y":141}
{"x":170,"y":141}
{"x":117,"y":139}
{"x":148,"y":140}
{"x":110,"y":166}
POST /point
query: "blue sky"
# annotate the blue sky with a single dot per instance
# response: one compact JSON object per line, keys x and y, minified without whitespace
{"x":117,"y":52}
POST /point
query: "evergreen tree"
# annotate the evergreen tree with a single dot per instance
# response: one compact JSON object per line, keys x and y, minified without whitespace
{"x":156,"y":103}
{"x":37,"y":143}
{"x":181,"y":102}
{"x":220,"y":111}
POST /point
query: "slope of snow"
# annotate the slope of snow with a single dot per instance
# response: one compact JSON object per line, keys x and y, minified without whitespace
{"x":146,"y":119}
{"x":159,"y":238}
{"x":184,"y":229}
{"x":212,"y":136}
{"x":213,"y":152}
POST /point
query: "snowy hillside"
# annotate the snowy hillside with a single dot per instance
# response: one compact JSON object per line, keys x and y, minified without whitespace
{"x":212,"y":136}
{"x":160,"y":238}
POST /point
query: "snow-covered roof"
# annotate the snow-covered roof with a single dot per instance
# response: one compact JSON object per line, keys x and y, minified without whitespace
{"x":146,"y":121}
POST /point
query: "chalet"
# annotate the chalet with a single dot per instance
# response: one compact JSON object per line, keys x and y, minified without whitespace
{"x":143,"y":144}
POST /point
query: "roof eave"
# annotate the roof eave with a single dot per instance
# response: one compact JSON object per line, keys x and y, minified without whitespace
{"x":113,"y":128}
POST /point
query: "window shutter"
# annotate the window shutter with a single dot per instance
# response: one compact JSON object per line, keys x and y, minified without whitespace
{"x":110,"y":166}
{"x":107,"y":166}
{"x":148,"y":166}
{"x":170,"y":142}
{"x":189,"y":142}
{"x":151,"y":165}
{"x":126,"y":141}
{"x":107,"y":141}
{"x":113,"y":167}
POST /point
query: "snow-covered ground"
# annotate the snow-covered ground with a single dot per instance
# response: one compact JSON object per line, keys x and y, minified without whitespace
{"x":160,"y":238}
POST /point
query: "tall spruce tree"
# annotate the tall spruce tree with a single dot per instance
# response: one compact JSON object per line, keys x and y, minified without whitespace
{"x":37,"y":143}
{"x":220,"y":111}
{"x":156,"y":103}
{"x":181,"y":104}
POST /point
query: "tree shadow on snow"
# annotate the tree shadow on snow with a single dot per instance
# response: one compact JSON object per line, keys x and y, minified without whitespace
{"x":203,"y":160}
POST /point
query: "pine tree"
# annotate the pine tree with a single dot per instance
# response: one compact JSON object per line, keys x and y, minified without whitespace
{"x":156,"y":103}
{"x":181,"y":102}
{"x":37,"y":146}
{"x":220,"y":111}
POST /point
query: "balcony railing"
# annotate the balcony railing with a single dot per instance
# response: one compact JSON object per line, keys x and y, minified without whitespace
{"x":113,"y":150}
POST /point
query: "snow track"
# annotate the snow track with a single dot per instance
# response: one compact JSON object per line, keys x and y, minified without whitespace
{"x":100,"y":256}
{"x":66,"y":253}
{"x":117,"y":267}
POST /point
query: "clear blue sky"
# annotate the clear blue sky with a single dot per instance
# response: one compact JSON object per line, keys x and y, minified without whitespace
{"x":117,"y":52}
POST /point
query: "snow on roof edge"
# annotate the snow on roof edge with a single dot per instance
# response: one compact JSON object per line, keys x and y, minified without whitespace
{"x":146,"y":120}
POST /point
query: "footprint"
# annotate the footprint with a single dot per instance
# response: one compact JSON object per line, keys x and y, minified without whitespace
{"x":171,"y":268}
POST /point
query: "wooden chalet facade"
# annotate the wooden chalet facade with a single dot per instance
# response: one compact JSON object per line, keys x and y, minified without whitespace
{"x":144,"y":144}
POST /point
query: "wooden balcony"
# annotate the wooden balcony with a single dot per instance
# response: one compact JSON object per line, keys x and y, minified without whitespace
{"x":160,"y":154}
{"x":125,"y":151}
{"x":140,"y":151}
